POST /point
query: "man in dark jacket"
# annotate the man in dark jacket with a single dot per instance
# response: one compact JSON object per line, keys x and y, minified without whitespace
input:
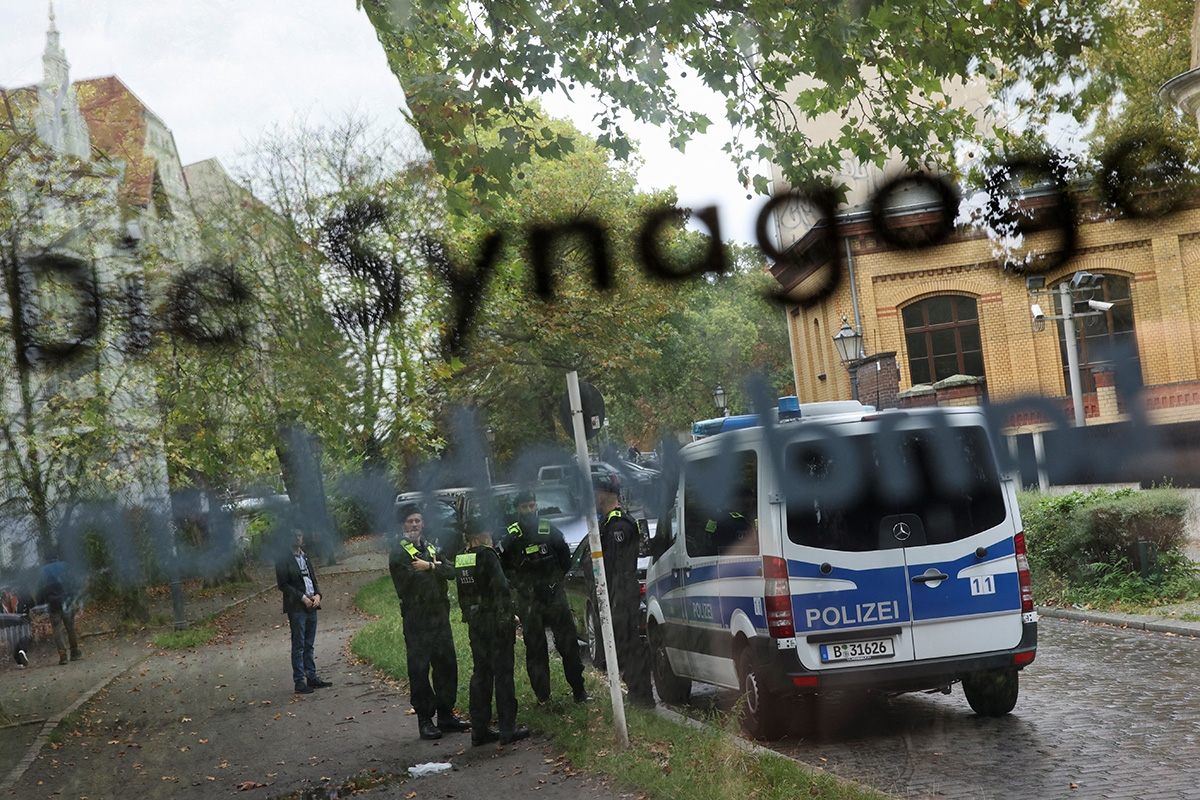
{"x":486,"y":601}
{"x":297,"y":580}
{"x":420,"y":575}
{"x":535,"y":558}
{"x":57,"y":589}
{"x":620,"y":538}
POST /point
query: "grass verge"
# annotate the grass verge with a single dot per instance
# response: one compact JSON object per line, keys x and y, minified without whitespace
{"x":194,"y":636}
{"x":665,"y":761}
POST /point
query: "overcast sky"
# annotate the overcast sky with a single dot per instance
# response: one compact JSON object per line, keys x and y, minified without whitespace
{"x":218,"y":72}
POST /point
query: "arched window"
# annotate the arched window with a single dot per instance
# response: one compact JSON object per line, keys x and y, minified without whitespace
{"x":1101,"y":337}
{"x":942,"y":337}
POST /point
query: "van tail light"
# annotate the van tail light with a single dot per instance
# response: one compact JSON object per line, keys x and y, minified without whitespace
{"x":1023,"y":576}
{"x":777,"y":595}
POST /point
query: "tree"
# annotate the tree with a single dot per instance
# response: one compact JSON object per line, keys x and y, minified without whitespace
{"x":722,"y":331}
{"x":514,"y":361}
{"x":344,"y":327}
{"x":655,"y":348}
{"x":889,"y":70}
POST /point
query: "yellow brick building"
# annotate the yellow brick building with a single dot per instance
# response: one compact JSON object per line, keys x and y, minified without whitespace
{"x":953,"y":309}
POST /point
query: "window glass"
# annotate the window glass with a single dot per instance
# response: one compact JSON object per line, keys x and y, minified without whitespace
{"x":720,"y":505}
{"x":913,"y":316}
{"x":1100,"y":337}
{"x":965,"y":308}
{"x":943,"y":338}
{"x":940,"y":309}
{"x":941,"y":511}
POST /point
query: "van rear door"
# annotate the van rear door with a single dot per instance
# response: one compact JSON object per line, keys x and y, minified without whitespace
{"x":918,"y":521}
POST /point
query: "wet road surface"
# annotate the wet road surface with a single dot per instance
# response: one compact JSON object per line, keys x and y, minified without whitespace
{"x":1103,"y":713}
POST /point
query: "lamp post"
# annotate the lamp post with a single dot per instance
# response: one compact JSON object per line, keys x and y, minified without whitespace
{"x":491,"y":437}
{"x":849,"y":347}
{"x":721,"y":400}
{"x":1080,"y":282}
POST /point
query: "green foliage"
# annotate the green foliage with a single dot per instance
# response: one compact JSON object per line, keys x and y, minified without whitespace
{"x":350,"y":517}
{"x":885,"y":72}
{"x":343,"y":330}
{"x":664,"y":759}
{"x":1083,"y":548}
{"x":258,"y":534}
{"x":523,"y":344}
{"x":655,"y":349}
{"x":722,"y":329}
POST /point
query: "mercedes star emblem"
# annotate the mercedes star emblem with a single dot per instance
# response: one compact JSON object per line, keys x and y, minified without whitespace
{"x":901,"y":531}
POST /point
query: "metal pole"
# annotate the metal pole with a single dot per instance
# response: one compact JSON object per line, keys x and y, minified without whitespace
{"x":1068,"y":314}
{"x":610,"y":644}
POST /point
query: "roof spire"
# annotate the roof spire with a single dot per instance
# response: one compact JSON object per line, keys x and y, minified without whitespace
{"x":59,"y":123}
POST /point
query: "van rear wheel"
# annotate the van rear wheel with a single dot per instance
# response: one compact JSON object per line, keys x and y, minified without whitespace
{"x":671,"y":687}
{"x":595,"y":637}
{"x":762,"y":716}
{"x":992,"y":693}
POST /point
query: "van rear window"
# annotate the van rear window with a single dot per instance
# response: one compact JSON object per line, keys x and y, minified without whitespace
{"x":898,"y":489}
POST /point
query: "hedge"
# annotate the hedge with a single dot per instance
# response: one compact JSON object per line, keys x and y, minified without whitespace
{"x":1080,"y":537}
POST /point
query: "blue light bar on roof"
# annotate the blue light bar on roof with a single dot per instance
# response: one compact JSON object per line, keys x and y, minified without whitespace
{"x":789,"y":408}
{"x":709,"y":427}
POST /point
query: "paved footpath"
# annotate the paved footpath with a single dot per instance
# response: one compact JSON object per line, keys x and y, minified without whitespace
{"x":222,"y":719}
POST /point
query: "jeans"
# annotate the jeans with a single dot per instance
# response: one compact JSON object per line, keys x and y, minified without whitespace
{"x":304,"y":635}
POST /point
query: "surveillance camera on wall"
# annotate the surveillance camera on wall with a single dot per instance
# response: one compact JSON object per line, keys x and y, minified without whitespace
{"x":1099,"y":305}
{"x":1039,"y":318}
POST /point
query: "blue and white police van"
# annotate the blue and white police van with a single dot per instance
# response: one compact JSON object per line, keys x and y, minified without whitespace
{"x":832,"y":547}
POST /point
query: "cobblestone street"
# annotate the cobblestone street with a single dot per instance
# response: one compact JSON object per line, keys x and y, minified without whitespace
{"x":1103,"y":713}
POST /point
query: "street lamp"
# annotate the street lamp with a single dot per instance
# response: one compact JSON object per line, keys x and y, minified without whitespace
{"x":849,"y":347}
{"x":720,"y":399}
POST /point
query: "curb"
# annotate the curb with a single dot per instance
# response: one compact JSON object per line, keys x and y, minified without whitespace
{"x":1140,"y":622}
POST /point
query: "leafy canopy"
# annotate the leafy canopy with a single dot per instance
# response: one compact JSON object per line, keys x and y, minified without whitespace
{"x":886,"y":71}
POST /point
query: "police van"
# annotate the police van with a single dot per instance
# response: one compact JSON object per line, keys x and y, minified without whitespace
{"x":829,"y":546}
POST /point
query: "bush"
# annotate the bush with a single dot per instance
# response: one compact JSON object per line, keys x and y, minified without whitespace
{"x":350,"y":517}
{"x":1080,"y":541}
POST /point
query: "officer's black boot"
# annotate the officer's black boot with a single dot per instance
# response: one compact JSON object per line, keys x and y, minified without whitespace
{"x":451,"y":723}
{"x":485,"y":736}
{"x":428,"y":729}
{"x":508,"y":737}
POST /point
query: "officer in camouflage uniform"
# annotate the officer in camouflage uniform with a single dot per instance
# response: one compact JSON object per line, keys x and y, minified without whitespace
{"x":486,"y":601}
{"x":535,"y":558}
{"x":620,"y":538}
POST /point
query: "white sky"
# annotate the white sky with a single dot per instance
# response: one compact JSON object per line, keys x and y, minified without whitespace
{"x":219,"y":72}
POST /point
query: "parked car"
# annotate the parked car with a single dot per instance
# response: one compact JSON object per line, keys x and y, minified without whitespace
{"x":580,"y":584}
{"x":639,"y":485}
{"x":555,"y":502}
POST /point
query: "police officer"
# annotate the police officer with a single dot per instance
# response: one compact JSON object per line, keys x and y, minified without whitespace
{"x":486,"y":601}
{"x":535,"y":558}
{"x":620,"y":538}
{"x":420,"y":577}
{"x":735,"y":532}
